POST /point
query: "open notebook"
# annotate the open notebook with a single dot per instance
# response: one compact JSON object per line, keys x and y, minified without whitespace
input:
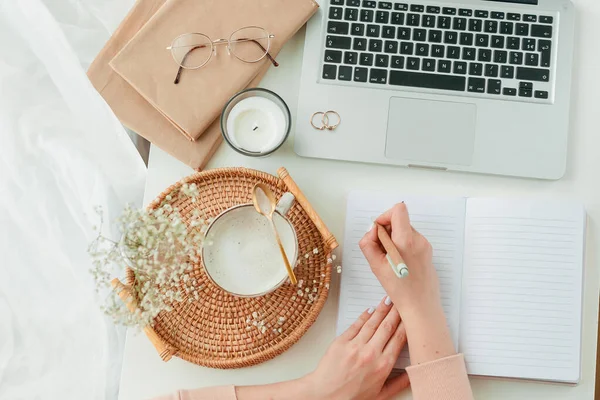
{"x":511,"y":277}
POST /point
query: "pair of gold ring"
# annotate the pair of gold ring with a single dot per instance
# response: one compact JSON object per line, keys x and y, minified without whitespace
{"x":325,"y":120}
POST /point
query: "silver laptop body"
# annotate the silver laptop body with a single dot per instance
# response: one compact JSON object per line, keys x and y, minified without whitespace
{"x":471,"y":85}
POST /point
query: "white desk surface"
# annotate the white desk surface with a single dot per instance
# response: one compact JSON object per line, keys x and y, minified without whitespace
{"x":326,"y":184}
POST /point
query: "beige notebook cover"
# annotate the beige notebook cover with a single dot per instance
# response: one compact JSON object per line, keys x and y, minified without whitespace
{"x":194,"y":103}
{"x":134,"y":111}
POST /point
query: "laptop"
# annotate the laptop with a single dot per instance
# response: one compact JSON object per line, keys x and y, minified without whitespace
{"x":471,"y":85}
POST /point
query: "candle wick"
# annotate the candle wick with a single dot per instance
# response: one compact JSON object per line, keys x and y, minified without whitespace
{"x":255,"y":128}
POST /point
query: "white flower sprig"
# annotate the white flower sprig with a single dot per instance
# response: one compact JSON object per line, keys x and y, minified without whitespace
{"x":161,"y":250}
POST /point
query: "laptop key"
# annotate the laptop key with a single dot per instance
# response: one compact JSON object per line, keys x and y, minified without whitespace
{"x":329,"y":71}
{"x":335,"y":13}
{"x":500,"y":56}
{"x":542,"y":31}
{"x":497,"y":42}
{"x":428,"y":65}
{"x":545,"y":48}
{"x":546,"y":19}
{"x":413,"y":63}
{"x":382,"y":60}
{"x":366,"y":59}
{"x":476,"y":85}
{"x":494,"y":86}
{"x":469,"y":53}
{"x":388,"y":32}
{"x":337,"y":2}
{"x":360,"y":74}
{"x":345,"y":73}
{"x":507,"y":71}
{"x":497,"y":15}
{"x":391,"y":46}
{"x":460,"y":67}
{"x":429,"y":21}
{"x":403,"y":34}
{"x":417,"y":8}
{"x":433,"y":9}
{"x":340,"y":28}
{"x":459,"y":24}
{"x":522,"y":29}
{"x":509,"y":92}
{"x":419,"y":35}
{"x":482,"y":40}
{"x":541,"y":94}
{"x":398,"y":62}
{"x":481,"y":14}
{"x":506,"y":28}
{"x":413,"y":20}
{"x":397,"y":18}
{"x":401,"y":7}
{"x":351,"y":14}
{"x":475,"y":69}
{"x":485,"y":55}
{"x":516,"y":58}
{"x":449,"y":10}
{"x":333,"y":56}
{"x":528,"y":44}
{"x":491,"y":70}
{"x":466,"y":39}
{"x":453,"y":52}
{"x":367,"y":15}
{"x":437,"y":51}
{"x":444,"y":22}
{"x":525,"y":92}
{"x":350,"y":57}
{"x":369,"y":4}
{"x":353,"y":3}
{"x":475,"y":25}
{"x":385,"y":5}
{"x":532,"y":59}
{"x":513,"y":17}
{"x":407,"y":48}
{"x":429,"y":81}
{"x":513,"y":43}
{"x":444,"y":66}
{"x":338,"y":42}
{"x":360,"y":44}
{"x":491,"y":26}
{"x":358,"y":29}
{"x":465,"y":12}
{"x":533,"y":74}
{"x":435,"y":36}
{"x":422,"y":49}
{"x":382,"y":17}
{"x":375,"y":45}
{"x":373,"y":30}
{"x":450,"y":37}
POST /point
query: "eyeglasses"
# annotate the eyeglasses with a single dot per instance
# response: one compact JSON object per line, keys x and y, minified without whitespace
{"x":194,"y":50}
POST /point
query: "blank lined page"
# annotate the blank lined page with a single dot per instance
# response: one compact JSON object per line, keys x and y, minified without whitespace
{"x":441,"y":220}
{"x":522,"y":289}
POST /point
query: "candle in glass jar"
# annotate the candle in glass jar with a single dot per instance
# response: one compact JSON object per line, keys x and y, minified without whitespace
{"x":256,"y":124}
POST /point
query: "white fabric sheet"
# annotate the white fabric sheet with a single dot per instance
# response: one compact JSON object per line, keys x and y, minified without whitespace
{"x":62,"y":152}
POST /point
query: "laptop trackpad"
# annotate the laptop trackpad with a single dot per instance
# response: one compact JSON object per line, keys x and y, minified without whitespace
{"x":431,"y":131}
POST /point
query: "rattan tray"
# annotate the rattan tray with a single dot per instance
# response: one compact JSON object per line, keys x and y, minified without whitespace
{"x":223,"y":331}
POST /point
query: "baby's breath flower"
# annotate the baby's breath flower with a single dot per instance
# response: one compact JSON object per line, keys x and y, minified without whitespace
{"x":315,"y":251}
{"x":333,"y":257}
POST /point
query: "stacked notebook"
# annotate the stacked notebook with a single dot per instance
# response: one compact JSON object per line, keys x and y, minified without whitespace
{"x":511,"y":277}
{"x":134,"y":72}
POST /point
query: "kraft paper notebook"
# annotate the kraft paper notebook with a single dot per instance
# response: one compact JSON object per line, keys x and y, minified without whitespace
{"x":134,"y":111}
{"x":511,"y":278}
{"x":193,"y":104}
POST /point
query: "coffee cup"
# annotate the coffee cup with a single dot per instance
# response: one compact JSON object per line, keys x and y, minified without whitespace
{"x":240,"y":252}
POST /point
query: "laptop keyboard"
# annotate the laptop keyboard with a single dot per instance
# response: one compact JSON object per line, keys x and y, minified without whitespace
{"x":480,"y":52}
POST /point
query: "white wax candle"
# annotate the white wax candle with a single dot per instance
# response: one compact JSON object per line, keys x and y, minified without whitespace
{"x":256,"y":124}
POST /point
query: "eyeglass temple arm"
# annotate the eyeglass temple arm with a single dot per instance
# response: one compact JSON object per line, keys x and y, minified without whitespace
{"x":180,"y":70}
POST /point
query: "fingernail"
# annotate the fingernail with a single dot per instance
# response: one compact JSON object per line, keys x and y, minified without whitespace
{"x":371,"y":310}
{"x":387,"y":301}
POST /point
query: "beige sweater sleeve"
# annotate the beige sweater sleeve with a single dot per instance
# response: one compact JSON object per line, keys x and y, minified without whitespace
{"x":443,"y":379}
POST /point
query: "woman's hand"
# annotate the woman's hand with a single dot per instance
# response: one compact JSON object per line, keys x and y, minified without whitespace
{"x":417,"y":297}
{"x":359,"y":361}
